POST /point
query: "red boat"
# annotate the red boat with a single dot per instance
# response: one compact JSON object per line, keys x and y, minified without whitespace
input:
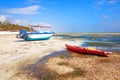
{"x":83,"y":50}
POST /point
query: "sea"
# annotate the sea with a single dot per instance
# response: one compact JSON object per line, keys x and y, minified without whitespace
{"x":102,"y":41}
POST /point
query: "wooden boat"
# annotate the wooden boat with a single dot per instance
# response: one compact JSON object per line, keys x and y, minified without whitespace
{"x":83,"y":50}
{"x":36,"y":34}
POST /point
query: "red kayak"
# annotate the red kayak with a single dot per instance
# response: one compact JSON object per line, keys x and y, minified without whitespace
{"x":83,"y":50}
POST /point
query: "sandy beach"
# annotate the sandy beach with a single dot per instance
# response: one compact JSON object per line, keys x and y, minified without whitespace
{"x":14,"y":50}
{"x":29,"y":60}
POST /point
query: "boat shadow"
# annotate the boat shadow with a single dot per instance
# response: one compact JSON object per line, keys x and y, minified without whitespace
{"x":62,"y":53}
{"x":38,"y":69}
{"x":20,"y":41}
{"x":28,"y":41}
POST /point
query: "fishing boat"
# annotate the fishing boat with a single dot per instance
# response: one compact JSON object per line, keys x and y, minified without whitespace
{"x":89,"y":51}
{"x":36,"y":33}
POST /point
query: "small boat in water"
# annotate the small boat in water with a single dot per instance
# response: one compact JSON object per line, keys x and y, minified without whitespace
{"x":36,"y":34}
{"x":89,"y":51}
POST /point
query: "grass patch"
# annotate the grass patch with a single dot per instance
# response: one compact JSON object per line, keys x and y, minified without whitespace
{"x":63,"y":63}
{"x":76,"y":73}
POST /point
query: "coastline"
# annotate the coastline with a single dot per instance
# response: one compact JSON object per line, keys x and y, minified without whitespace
{"x":18,"y":56}
{"x":8,"y":32}
{"x":88,"y":32}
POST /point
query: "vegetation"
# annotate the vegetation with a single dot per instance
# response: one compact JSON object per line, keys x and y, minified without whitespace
{"x":7,"y":26}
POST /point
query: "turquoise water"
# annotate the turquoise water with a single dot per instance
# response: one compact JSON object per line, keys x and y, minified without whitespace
{"x":109,"y":42}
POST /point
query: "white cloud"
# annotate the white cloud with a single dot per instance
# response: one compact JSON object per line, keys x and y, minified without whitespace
{"x":55,"y":2}
{"x":112,"y":1}
{"x":100,"y":3}
{"x":20,"y":22}
{"x":32,"y":2}
{"x":27,"y":10}
{"x":41,"y":23}
{"x":3,"y":18}
{"x":104,"y":16}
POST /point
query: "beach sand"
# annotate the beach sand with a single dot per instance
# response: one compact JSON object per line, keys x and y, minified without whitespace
{"x":13,"y":51}
{"x":49,"y":60}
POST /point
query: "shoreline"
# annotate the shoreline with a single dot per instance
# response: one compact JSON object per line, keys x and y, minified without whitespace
{"x":88,"y":32}
{"x":9,"y":32}
{"x":19,"y":59}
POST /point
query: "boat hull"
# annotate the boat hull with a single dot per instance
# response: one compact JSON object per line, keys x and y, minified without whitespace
{"x":82,"y":50}
{"x":33,"y":37}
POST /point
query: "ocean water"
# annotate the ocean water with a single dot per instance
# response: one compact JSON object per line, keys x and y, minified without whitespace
{"x":103,"y":41}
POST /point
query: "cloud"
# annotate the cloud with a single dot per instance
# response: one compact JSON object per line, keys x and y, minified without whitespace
{"x":27,"y":10}
{"x":3,"y":18}
{"x":32,"y":2}
{"x":104,"y":16}
{"x":100,"y":3}
{"x":54,"y":2}
{"x":41,"y":23}
{"x":112,"y":1}
{"x":20,"y":22}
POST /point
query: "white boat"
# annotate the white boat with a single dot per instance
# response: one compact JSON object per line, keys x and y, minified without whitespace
{"x":36,"y":34}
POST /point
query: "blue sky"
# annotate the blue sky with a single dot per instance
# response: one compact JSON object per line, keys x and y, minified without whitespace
{"x":64,"y":15}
